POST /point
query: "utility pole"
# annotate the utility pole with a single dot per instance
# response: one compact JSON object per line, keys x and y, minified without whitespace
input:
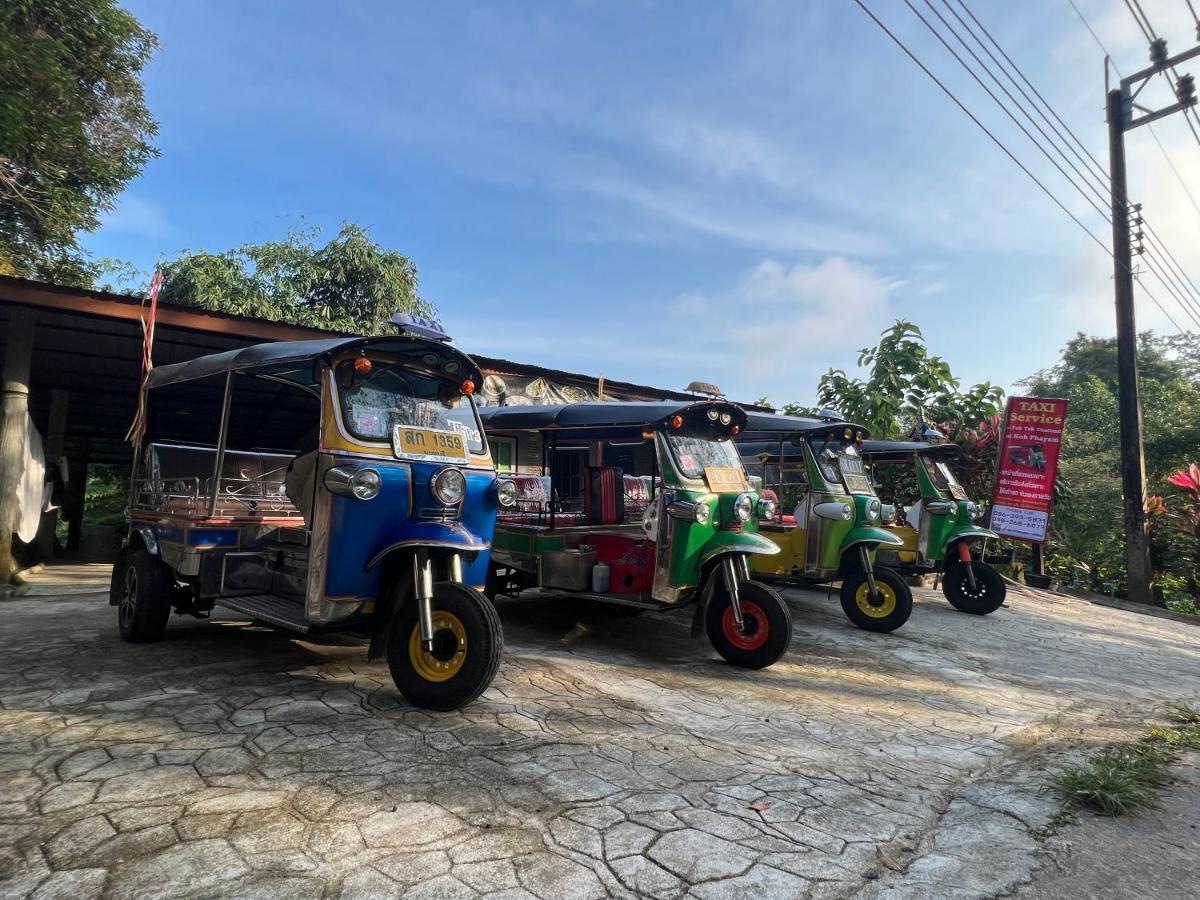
{"x":1121,"y":106}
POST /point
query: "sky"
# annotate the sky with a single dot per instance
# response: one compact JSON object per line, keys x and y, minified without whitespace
{"x":745,"y":193}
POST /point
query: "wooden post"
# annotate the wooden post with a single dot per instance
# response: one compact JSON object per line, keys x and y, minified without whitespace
{"x":18,"y":354}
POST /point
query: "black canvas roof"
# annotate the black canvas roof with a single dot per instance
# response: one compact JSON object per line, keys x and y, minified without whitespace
{"x":762,"y":426}
{"x":284,"y":355}
{"x":906,"y":448}
{"x":593,"y":415}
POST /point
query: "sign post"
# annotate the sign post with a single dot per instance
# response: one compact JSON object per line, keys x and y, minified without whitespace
{"x":1023,"y":494}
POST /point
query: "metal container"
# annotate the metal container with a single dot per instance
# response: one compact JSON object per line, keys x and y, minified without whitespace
{"x":569,"y":570}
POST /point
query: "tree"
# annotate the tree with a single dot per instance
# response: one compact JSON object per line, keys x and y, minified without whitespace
{"x":74,"y":128}
{"x":1087,"y":529}
{"x":905,"y":385}
{"x":350,"y":284}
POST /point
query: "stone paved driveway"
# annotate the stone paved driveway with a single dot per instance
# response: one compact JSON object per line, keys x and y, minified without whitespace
{"x":613,"y":755}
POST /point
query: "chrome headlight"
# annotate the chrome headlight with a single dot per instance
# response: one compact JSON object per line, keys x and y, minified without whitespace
{"x":874,"y":509}
{"x":506,"y":492}
{"x":448,"y":486}
{"x":888,"y":513}
{"x":767,"y":509}
{"x":975,"y":511}
{"x":353,"y":481}
{"x":702,"y":513}
{"x":726,"y":418}
{"x":743,"y":507}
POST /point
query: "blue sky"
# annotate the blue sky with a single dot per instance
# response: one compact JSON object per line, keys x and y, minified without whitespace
{"x":743,"y":193}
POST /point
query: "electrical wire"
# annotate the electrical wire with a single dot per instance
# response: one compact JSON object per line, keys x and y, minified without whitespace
{"x":1146,"y":29}
{"x":1098,"y":208}
{"x":1182,"y":278}
{"x":1162,"y":148}
{"x":970,"y":115}
{"x":1189,"y":112}
{"x":1161,"y":308}
{"x":1086,"y":176}
{"x":1157,"y":273}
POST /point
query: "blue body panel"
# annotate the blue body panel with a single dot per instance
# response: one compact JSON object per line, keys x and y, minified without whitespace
{"x":404,"y":510}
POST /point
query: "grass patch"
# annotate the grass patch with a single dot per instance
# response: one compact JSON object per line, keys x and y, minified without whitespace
{"x":1125,"y":777}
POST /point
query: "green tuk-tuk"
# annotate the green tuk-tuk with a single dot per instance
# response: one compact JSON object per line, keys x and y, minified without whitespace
{"x":941,"y":530}
{"x":830,"y":524}
{"x":645,"y":505}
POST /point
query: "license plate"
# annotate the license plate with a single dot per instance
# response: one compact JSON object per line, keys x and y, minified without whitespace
{"x":427,"y":442}
{"x":725,"y":478}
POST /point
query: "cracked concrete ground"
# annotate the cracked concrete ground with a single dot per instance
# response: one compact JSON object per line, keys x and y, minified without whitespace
{"x":614,"y":755}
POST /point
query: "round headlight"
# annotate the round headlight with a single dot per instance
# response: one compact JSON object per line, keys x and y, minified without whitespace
{"x":873,"y":510}
{"x":448,"y":486}
{"x":702,"y":513}
{"x":506,"y":492}
{"x":975,"y":511}
{"x":726,"y":418}
{"x":743,"y":507}
{"x":767,"y":509}
{"x":712,"y":415}
{"x":365,"y":484}
{"x":847,"y":512}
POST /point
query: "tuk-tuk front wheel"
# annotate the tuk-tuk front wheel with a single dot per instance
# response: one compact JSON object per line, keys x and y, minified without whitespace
{"x":887,"y":610}
{"x":467,"y":640}
{"x":141,"y":586}
{"x":988,"y":594}
{"x":766,"y":630}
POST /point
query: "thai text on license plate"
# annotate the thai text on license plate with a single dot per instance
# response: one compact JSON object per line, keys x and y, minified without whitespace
{"x":428,"y":442}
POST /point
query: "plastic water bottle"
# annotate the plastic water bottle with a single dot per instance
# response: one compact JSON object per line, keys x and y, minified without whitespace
{"x":600,"y":578}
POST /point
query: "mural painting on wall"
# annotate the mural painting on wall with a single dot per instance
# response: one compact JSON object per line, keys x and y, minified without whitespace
{"x":518,"y":390}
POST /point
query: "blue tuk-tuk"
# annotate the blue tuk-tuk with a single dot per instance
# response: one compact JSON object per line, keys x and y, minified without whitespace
{"x":326,"y":485}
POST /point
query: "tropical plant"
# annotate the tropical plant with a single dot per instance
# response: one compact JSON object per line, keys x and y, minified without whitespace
{"x":74,"y":128}
{"x":349,"y":284}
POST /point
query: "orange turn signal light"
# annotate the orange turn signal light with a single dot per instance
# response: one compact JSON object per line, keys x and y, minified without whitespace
{"x":735,"y":429}
{"x":363,"y":365}
{"x":677,"y":421}
{"x":468,"y":387}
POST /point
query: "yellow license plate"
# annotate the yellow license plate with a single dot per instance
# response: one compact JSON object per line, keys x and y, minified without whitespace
{"x":428,"y":442}
{"x":725,"y":478}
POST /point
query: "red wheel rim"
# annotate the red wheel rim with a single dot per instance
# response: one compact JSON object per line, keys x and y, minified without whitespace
{"x":757,"y":626}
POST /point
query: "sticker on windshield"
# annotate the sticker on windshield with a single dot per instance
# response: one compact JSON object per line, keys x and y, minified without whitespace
{"x":469,"y":433}
{"x":427,"y":443}
{"x":725,"y":478}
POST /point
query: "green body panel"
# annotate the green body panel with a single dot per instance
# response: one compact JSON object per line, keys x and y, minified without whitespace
{"x":870,"y":534}
{"x":962,"y":532}
{"x":688,"y":540}
{"x":525,"y":542}
{"x":736,"y":542}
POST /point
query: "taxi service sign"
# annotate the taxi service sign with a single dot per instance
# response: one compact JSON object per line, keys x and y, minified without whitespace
{"x":1024,"y":491}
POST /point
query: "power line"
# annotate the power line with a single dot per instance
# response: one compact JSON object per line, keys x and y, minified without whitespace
{"x":1108,"y":56}
{"x":1147,"y":292}
{"x":970,"y":115}
{"x":1146,"y":29}
{"x":1083,"y":175}
{"x":1095,"y":162}
{"x":1099,"y":209}
{"x":1184,"y":280}
{"x":1152,"y":36}
{"x":1195,"y":18}
{"x":1157,"y":273}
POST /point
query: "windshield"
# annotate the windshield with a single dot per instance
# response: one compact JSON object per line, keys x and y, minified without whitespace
{"x":374,"y":404}
{"x":842,"y":466}
{"x":943,"y":479}
{"x":695,"y":454}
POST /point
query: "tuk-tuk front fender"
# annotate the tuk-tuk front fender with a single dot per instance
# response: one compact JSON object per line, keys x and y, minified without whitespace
{"x":869,"y":534}
{"x":415,"y":535}
{"x":736,"y":542}
{"x":966,"y":533}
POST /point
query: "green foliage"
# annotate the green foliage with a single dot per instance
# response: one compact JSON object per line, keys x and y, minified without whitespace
{"x":74,"y":128}
{"x":350,"y":284}
{"x":905,"y":384}
{"x":1182,"y":713}
{"x":1087,"y":526}
{"x":1118,"y":779}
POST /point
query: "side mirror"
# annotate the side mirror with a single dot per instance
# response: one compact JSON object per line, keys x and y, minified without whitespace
{"x":835,"y":511}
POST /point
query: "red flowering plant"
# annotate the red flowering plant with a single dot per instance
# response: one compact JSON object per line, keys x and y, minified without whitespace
{"x":1179,"y":514}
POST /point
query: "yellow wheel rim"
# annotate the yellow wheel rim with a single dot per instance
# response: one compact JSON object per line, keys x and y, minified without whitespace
{"x":863,"y":598}
{"x":426,"y":664}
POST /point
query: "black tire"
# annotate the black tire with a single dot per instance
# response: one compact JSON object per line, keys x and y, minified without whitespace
{"x":895,"y":598}
{"x":767,"y":624}
{"x":142,"y":587}
{"x":989,"y":590}
{"x":466,"y":655}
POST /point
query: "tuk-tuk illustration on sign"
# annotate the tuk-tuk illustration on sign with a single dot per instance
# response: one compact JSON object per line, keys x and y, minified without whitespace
{"x":645,"y":505}
{"x":941,"y":528}
{"x":830,"y":523}
{"x":323,"y":485}
{"x":1031,"y":456}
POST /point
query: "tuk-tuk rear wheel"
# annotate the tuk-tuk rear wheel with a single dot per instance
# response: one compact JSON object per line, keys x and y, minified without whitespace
{"x":767,"y":625}
{"x":890,"y":609}
{"x":989,"y":590}
{"x":468,"y":639}
{"x":142,"y":588}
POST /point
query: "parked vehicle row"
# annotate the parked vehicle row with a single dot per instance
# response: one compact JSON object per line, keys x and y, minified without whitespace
{"x":347,"y":485}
